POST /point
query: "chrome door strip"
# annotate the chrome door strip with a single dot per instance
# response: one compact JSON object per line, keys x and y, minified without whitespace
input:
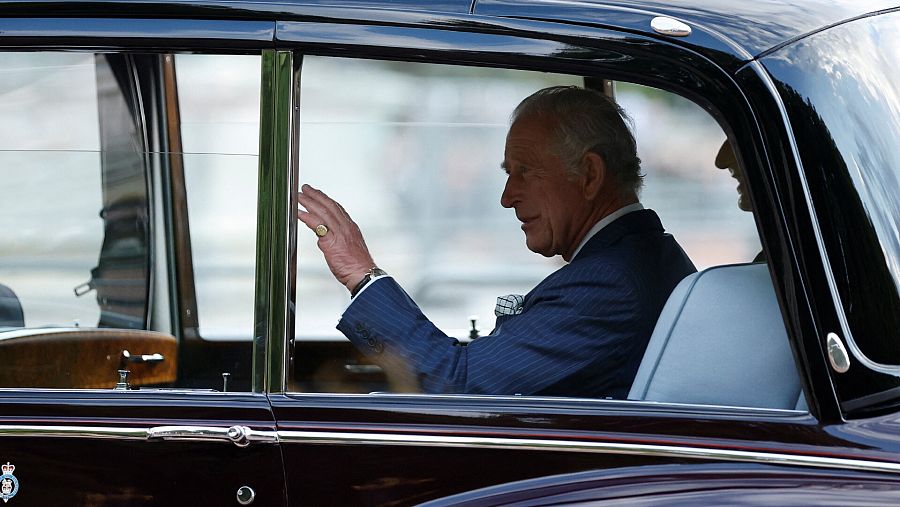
{"x":206,"y":433}
{"x":239,"y":435}
{"x":111,"y":432}
{"x":666,"y":451}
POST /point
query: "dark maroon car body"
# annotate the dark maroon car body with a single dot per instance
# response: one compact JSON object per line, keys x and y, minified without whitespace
{"x":757,"y":67}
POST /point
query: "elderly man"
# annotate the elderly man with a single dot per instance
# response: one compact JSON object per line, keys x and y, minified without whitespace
{"x":573,"y":177}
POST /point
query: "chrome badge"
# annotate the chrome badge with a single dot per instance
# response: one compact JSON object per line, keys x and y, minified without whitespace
{"x":9,"y":485}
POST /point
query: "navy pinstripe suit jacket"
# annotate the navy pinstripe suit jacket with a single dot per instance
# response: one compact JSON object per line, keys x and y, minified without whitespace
{"x":582,"y":332}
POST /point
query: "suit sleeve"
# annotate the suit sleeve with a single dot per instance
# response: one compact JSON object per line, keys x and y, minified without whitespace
{"x":572,"y":321}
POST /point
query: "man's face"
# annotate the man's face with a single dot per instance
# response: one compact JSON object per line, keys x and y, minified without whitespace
{"x":550,"y":204}
{"x":726,"y":160}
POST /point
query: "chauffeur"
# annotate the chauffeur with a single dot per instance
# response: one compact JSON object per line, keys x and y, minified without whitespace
{"x":573,"y":177}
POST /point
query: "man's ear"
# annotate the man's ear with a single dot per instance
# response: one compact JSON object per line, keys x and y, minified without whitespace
{"x":594,"y":175}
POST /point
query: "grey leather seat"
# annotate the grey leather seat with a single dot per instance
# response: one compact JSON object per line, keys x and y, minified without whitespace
{"x":11,"y":314}
{"x":721,"y":340}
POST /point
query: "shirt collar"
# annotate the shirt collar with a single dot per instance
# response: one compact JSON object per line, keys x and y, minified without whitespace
{"x":608,"y":219}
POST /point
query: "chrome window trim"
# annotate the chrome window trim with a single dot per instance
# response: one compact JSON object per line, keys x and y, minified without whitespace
{"x":665,"y":451}
{"x":41,"y":31}
{"x":817,"y":230}
{"x":276,"y":222}
{"x":552,"y":402}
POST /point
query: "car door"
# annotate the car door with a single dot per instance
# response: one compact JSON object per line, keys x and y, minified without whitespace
{"x":128,"y":334}
{"x":354,"y":434}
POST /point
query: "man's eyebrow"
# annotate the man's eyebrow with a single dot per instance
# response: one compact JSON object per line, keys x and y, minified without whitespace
{"x":504,"y":165}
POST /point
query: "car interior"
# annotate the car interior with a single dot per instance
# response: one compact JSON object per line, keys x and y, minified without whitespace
{"x":170,"y":256}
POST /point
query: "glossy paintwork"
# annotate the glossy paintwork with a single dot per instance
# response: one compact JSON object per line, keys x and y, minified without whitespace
{"x":415,"y":471}
{"x":50,"y":32}
{"x":750,"y":28}
{"x":103,"y":471}
{"x":405,"y":478}
{"x":794,"y":260}
{"x":413,"y":474}
{"x":330,"y":474}
{"x":667,"y":485}
{"x":565,"y":49}
{"x":246,"y":8}
{"x":726,"y":31}
{"x":853,"y":184}
{"x":443,"y":6}
{"x":769,"y":430}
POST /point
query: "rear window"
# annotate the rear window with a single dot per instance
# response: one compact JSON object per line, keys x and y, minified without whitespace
{"x":844,"y":93}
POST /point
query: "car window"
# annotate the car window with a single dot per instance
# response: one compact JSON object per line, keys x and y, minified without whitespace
{"x":413,"y":156}
{"x":417,"y":155}
{"x":859,"y":115}
{"x":841,"y":87}
{"x":96,"y":265}
{"x":52,"y":193}
{"x":219,"y":105}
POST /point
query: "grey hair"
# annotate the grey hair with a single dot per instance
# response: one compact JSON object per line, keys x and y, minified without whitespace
{"x":586,"y":121}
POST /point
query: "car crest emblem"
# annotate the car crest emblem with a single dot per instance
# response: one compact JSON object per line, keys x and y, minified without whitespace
{"x":9,"y":485}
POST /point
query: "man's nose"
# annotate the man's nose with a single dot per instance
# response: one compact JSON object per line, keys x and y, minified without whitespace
{"x":509,"y":197}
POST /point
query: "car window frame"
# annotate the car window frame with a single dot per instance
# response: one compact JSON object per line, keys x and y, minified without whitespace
{"x":96,"y":35}
{"x":516,"y":45}
{"x":525,"y":44}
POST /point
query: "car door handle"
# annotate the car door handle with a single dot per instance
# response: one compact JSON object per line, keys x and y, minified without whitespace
{"x":240,"y":436}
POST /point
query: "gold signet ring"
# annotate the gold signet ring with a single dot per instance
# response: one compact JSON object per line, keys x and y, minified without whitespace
{"x":321,"y":230}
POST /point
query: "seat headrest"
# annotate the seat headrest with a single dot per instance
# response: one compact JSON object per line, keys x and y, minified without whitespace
{"x":721,"y":340}
{"x":11,"y":314}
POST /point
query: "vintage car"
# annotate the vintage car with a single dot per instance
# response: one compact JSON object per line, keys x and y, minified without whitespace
{"x":167,"y":330}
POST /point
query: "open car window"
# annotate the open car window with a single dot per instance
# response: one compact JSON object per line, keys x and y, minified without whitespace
{"x":414,"y":156}
{"x":417,"y":154}
{"x":98,"y":182}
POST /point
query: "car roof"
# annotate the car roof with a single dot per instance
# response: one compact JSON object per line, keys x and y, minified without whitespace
{"x":749,"y":28}
{"x":746,"y":29}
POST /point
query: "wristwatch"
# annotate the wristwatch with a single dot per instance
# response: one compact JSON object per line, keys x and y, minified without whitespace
{"x":367,"y":277}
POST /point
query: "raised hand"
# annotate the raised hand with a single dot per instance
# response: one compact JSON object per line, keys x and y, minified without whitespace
{"x":340,"y":239}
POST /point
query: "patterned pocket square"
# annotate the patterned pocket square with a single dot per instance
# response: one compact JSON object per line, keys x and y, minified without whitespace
{"x":509,"y":305}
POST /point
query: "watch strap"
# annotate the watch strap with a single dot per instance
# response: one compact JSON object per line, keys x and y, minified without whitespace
{"x":369,"y":275}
